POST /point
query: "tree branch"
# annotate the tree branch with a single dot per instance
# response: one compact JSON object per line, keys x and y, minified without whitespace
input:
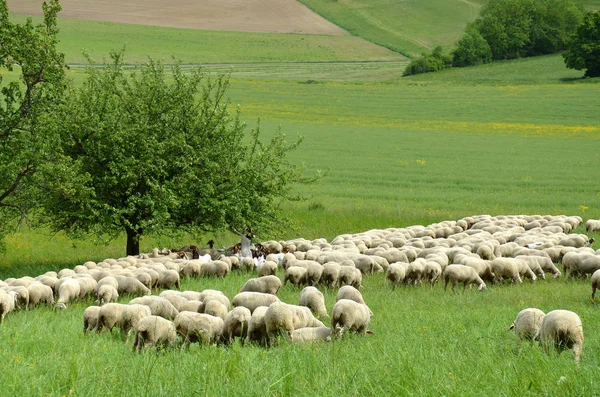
{"x":29,"y":170}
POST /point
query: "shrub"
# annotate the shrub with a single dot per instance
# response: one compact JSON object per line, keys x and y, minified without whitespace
{"x":584,"y":47}
{"x":429,"y":63}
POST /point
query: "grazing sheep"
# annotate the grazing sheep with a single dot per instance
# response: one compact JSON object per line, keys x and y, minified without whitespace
{"x":131,"y":286}
{"x":107,"y":293}
{"x":414,"y":271}
{"x":330,"y":275}
{"x":269,"y":268}
{"x":168,"y":278}
{"x":525,"y":270}
{"x":533,"y":264}
{"x":252,"y":300}
{"x":264,"y":284}
{"x":236,"y":324}
{"x":158,"y":305}
{"x":592,"y":225}
{"x":312,"y":298}
{"x":562,"y":329}
{"x":303,"y":317}
{"x":110,"y":316}
{"x":175,"y":298}
{"x":8,"y":301}
{"x":39,"y":292}
{"x":279,"y":319}
{"x":218,"y":269}
{"x":595,"y":282}
{"x":257,"y":331}
{"x":506,"y":268}
{"x":580,"y":263}
{"x":215,"y":308}
{"x":348,"y":315}
{"x":527,"y":323}
{"x":431,"y":272}
{"x":349,"y":292}
{"x":193,"y":306}
{"x":462,"y":274}
{"x":131,"y":315}
{"x":296,"y":275}
{"x":191,"y":268}
{"x":311,"y":334}
{"x":67,"y":291}
{"x":396,"y":273}
{"x":91,"y":315}
{"x":208,"y":296}
{"x":314,"y":271}
{"x":154,"y":330}
{"x":350,"y":276}
{"x":199,"y":327}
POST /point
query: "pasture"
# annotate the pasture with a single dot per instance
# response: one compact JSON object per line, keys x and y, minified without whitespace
{"x":512,"y":137}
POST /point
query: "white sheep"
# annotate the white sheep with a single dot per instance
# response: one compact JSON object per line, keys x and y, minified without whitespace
{"x":257,"y":331}
{"x":236,"y":324}
{"x":199,"y":327}
{"x":264,"y":284}
{"x":8,"y":301}
{"x":562,"y":329}
{"x":506,"y":268}
{"x":279,"y":320}
{"x":252,"y":300}
{"x":296,"y":275}
{"x":168,"y":278}
{"x":269,"y":268}
{"x":110,"y":316}
{"x":431,"y":272}
{"x":218,"y":269}
{"x":67,"y":291}
{"x":106,"y":293}
{"x":330,"y":275}
{"x":175,"y":297}
{"x":527,"y":323}
{"x":462,"y":274}
{"x":396,"y":273}
{"x":314,"y":272}
{"x":595,"y":282}
{"x":131,"y":286}
{"x":39,"y":292}
{"x":348,"y":315}
{"x":314,"y":299}
{"x":91,"y":315}
{"x":311,"y":334}
{"x":154,"y":330}
{"x":580,"y":263}
{"x":349,"y":292}
{"x":131,"y":316}
{"x":350,"y":276}
{"x":215,"y":308}
{"x":158,"y":305}
{"x":592,"y":225}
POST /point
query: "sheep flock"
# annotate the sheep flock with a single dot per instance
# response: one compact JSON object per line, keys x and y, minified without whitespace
{"x":480,"y":250}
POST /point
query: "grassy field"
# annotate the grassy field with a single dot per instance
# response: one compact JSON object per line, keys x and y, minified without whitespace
{"x":198,"y":46}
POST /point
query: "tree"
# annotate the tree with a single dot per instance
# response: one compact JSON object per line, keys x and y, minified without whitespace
{"x":584,"y":49}
{"x":471,"y":49}
{"x":161,"y":152}
{"x":27,"y":109}
{"x":433,"y":62}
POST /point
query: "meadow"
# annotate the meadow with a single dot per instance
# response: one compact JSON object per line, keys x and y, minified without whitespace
{"x":507,"y":138}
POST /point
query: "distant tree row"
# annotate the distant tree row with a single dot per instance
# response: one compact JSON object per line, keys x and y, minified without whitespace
{"x":509,"y":29}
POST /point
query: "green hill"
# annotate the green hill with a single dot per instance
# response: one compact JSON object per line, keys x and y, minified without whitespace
{"x":408,"y":27}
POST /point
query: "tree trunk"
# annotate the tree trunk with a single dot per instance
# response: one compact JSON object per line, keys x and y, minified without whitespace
{"x":133,"y":241}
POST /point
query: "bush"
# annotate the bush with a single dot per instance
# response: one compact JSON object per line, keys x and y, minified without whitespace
{"x":584,"y":47}
{"x":472,"y":49}
{"x":429,"y":63}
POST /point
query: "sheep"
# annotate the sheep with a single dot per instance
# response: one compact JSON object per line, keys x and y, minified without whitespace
{"x":330,"y":275}
{"x":218,"y":269}
{"x":264,"y":284}
{"x":208,"y":296}
{"x":462,"y":274}
{"x":8,"y":301}
{"x":91,"y":315}
{"x":192,"y":295}
{"x":252,"y":300}
{"x":525,"y":270}
{"x":562,"y":329}
{"x":131,"y":316}
{"x":311,"y":334}
{"x":191,"y":269}
{"x":533,"y":264}
{"x":396,"y":273}
{"x":506,"y":268}
{"x":296,"y":275}
{"x":257,"y":331}
{"x":595,"y":282}
{"x":236,"y":324}
{"x":314,"y":271}
{"x":87,"y":285}
{"x":199,"y":327}
{"x":349,"y":292}
{"x":168,"y":278}
{"x":154,"y":330}
{"x":303,"y":317}
{"x":193,"y":306}
{"x":592,"y":225}
{"x":312,"y":298}
{"x":414,"y":271}
{"x":39,"y":292}
{"x":158,"y":305}
{"x":527,"y":323}
{"x":215,"y":308}
{"x":67,"y":291}
{"x":175,"y":298}
{"x":279,"y":319}
{"x":110,"y":316}
{"x":107,"y":293}
{"x":350,"y":276}
{"x":131,"y":286}
{"x":348,"y":315}
{"x":269,"y":268}
{"x":432,"y":272}
{"x":581,"y":263}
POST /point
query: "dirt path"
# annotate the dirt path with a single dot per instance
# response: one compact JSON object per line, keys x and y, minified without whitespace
{"x":269,"y":16}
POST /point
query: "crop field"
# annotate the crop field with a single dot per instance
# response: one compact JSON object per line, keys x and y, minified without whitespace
{"x":518,"y":137}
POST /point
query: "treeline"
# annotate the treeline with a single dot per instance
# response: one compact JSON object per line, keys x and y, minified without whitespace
{"x":508,"y":29}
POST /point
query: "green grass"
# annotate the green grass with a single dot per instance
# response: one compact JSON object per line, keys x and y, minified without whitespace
{"x":198,"y":46}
